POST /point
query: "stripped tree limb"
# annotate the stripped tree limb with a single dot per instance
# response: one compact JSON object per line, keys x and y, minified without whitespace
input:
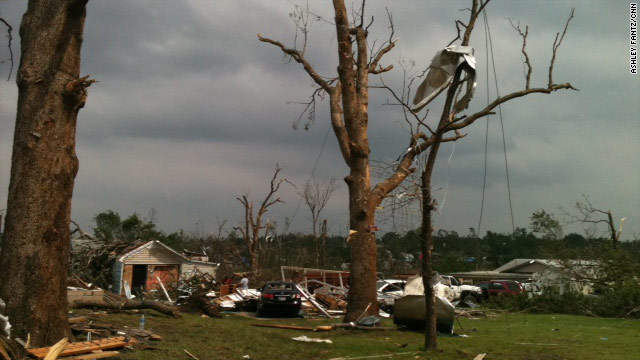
{"x":9,"y":39}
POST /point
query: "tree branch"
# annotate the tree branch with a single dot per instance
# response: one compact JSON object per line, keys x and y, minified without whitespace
{"x":299,"y":58}
{"x":524,"y":51}
{"x":390,"y":44}
{"x":10,"y":38}
{"x":556,"y":45}
{"x":462,"y":122}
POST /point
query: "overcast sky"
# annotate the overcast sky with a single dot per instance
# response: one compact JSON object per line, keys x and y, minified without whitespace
{"x":191,"y":111}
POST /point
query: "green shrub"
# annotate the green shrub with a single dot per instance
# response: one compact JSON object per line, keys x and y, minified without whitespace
{"x":621,"y":302}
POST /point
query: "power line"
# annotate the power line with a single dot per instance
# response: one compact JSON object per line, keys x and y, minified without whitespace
{"x":313,"y":171}
{"x":504,"y":143}
{"x":489,"y":49}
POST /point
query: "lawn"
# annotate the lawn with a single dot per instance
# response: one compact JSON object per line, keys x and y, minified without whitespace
{"x":500,"y":336}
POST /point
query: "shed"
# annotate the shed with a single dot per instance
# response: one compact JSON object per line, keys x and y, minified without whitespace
{"x":152,"y":261}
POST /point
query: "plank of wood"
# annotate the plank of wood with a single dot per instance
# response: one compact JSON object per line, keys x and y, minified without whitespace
{"x":56,"y":349}
{"x":290,"y":327}
{"x":4,"y":353}
{"x":93,"y":355}
{"x":77,"y":319}
{"x":86,"y":346}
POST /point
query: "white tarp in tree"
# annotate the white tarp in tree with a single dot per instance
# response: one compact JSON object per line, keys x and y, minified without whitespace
{"x":440,"y":76}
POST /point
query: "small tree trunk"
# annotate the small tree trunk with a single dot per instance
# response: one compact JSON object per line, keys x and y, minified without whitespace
{"x":35,"y":252}
{"x":430,"y":334}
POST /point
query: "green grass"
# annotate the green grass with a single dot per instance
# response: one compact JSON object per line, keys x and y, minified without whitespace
{"x":502,"y":336}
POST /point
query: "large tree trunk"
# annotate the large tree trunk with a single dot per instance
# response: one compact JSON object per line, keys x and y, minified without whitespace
{"x":35,"y":253}
{"x":355,"y":104}
{"x":362,"y":280}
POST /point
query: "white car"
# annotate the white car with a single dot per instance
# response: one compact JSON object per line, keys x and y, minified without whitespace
{"x":388,"y":291}
{"x":390,"y":287}
{"x":461,"y":291}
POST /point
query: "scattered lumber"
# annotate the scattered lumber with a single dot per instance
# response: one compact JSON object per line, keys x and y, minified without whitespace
{"x":93,"y":355}
{"x":290,"y":327}
{"x":9,"y":349}
{"x":77,"y":319}
{"x":56,"y":349}
{"x":359,"y":327}
{"x":107,"y":330}
{"x":84,"y":347}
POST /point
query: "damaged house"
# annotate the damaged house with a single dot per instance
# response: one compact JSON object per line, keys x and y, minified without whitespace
{"x":153,"y":264}
{"x":563,"y":275}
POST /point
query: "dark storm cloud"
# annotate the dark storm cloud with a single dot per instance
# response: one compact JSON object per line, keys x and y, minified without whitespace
{"x":192,"y":110}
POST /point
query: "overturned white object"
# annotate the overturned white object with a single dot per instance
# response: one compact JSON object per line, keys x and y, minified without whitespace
{"x":414,"y":286}
{"x":440,"y":75}
{"x":308,"y":339}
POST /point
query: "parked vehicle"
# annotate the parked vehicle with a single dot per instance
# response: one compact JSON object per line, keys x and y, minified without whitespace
{"x":281,"y":297}
{"x":461,"y":291}
{"x":388,"y":291}
{"x":500,"y":287}
{"x":391,"y":287}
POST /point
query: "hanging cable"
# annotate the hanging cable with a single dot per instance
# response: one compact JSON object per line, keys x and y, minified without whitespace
{"x":504,"y":143}
{"x":486,"y":136}
{"x":313,"y":171}
{"x":446,"y":186}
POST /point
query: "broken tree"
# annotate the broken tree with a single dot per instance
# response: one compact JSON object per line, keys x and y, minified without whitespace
{"x":253,"y":223}
{"x":451,"y":120}
{"x":35,"y":252}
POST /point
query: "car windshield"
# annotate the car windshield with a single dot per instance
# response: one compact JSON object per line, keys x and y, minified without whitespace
{"x":386,"y":286}
{"x":279,"y":287}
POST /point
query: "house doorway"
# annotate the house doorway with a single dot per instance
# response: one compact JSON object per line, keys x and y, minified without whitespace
{"x":139,"y":280}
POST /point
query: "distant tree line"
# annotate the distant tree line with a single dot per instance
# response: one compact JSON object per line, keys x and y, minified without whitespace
{"x":397,"y":253}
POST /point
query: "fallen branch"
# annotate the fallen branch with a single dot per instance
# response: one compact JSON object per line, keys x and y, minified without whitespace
{"x":359,"y":327}
{"x":126,"y":304}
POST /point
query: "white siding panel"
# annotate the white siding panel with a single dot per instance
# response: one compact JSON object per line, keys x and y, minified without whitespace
{"x":154,"y":255}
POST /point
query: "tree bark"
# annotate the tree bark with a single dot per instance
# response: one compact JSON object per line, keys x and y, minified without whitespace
{"x":430,"y":334}
{"x":35,"y":252}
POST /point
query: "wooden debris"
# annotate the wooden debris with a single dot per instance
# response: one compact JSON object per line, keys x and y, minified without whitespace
{"x":310,"y":298}
{"x":77,"y":319}
{"x":334,"y":303}
{"x":107,"y":330}
{"x":93,"y":355}
{"x":191,"y":355}
{"x":359,"y":327}
{"x":290,"y":327}
{"x":84,"y":347}
{"x":9,"y":349}
{"x":56,"y":349}
{"x":4,"y":353}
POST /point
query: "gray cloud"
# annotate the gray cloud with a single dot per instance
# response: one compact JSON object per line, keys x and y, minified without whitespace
{"x":192,"y":110}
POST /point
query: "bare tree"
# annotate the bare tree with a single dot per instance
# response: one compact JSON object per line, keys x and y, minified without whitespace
{"x":253,"y":222}
{"x":587,"y":214}
{"x":35,"y":255}
{"x":348,"y":102}
{"x":449,"y":121}
{"x":316,"y":195}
